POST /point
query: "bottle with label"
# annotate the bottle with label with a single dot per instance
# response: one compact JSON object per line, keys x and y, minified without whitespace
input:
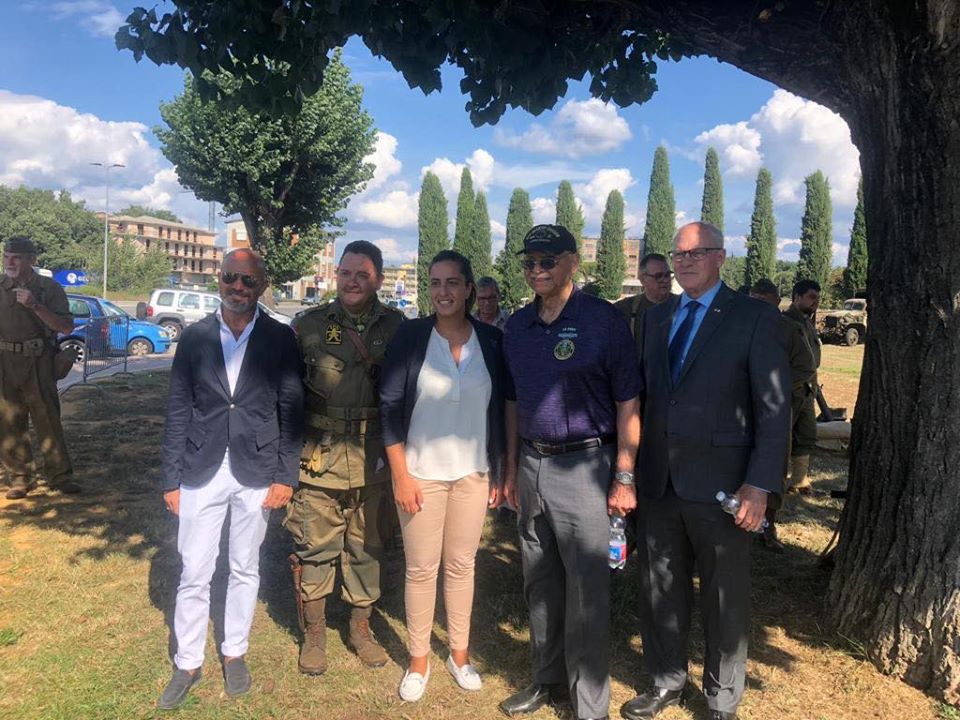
{"x":731,"y":505}
{"x":618,"y":542}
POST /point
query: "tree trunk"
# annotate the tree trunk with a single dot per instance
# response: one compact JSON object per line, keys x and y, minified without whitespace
{"x":896,"y":585}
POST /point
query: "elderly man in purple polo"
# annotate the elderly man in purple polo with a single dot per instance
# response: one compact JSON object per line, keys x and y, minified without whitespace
{"x":572,"y":436}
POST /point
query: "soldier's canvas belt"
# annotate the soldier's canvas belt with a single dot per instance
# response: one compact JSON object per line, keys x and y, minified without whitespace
{"x":358,"y":426}
{"x":351,"y":413}
{"x":30,"y":348}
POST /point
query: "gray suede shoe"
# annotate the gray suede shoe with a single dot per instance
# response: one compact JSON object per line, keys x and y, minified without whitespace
{"x":236,"y":677}
{"x":177,"y":689}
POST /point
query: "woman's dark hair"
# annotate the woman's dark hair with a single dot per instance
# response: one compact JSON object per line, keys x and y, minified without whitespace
{"x":465,"y":269}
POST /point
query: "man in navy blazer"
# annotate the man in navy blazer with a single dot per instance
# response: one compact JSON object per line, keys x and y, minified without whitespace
{"x":232,"y":441}
{"x":716,"y":379}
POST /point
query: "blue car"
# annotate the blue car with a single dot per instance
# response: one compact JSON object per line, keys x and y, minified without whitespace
{"x":141,"y":338}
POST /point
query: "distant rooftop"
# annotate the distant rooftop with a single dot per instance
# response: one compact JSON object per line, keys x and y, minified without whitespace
{"x":150,"y":220}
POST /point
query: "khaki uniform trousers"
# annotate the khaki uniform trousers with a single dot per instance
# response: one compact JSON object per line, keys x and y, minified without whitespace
{"x":28,"y":392}
{"x":331,"y":527}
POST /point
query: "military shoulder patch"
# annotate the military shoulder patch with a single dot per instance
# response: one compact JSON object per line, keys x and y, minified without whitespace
{"x":334,"y":334}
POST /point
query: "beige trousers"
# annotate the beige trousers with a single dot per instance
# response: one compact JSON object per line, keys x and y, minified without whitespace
{"x":448,"y":528}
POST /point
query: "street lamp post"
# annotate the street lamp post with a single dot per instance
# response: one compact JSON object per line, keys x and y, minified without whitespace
{"x":106,"y":219}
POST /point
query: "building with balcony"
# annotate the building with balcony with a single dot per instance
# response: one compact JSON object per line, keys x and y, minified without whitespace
{"x":400,"y":281}
{"x":632,"y":249}
{"x":194,"y":259}
{"x":319,"y":283}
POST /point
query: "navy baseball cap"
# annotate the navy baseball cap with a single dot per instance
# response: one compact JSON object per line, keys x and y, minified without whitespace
{"x":552,"y":239}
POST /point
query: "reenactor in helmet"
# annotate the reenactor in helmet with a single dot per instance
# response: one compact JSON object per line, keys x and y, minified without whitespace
{"x":340,"y":514}
{"x":33,"y":309}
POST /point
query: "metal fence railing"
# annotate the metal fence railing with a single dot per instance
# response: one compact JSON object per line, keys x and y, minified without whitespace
{"x":105,"y":344}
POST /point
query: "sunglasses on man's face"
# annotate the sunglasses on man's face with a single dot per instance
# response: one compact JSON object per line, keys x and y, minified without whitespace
{"x":229,"y":278}
{"x":546,"y":263}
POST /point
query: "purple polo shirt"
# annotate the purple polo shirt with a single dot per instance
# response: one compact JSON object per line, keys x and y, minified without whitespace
{"x":569,"y":374}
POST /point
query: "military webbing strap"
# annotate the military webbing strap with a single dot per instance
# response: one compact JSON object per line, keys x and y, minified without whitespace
{"x":360,"y":346}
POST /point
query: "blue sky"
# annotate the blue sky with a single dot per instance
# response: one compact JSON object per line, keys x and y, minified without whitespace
{"x":68,"y":98}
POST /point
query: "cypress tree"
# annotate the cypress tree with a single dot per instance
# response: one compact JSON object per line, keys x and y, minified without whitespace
{"x":711,"y":210}
{"x":611,"y":261}
{"x":661,"y":207}
{"x":432,"y":227}
{"x":481,"y":245}
{"x":816,"y":231}
{"x":513,"y":287}
{"x":855,"y":274}
{"x":569,"y":212}
{"x":762,"y":240}
{"x":463,"y":233}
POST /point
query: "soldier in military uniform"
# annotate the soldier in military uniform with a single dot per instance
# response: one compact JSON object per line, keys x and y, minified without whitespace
{"x":803,"y":373}
{"x":340,"y":513}
{"x":33,"y":309}
{"x":655,"y":278}
{"x":802,"y":311}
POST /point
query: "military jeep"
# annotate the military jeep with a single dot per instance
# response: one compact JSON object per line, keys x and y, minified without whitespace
{"x":848,"y":325}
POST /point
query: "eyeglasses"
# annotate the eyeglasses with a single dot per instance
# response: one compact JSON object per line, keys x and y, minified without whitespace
{"x":229,"y":278}
{"x":546,"y":263}
{"x":659,"y":277}
{"x":696,"y":255}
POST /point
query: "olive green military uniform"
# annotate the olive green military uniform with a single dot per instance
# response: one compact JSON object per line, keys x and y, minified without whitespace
{"x":342,"y":509}
{"x":633,"y":307}
{"x":804,"y":382}
{"x":28,"y":388}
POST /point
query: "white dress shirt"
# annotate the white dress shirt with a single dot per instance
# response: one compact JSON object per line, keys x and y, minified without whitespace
{"x":447,"y":439}
{"x":234,"y":350}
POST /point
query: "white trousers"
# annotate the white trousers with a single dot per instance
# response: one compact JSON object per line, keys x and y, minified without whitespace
{"x":202,"y":512}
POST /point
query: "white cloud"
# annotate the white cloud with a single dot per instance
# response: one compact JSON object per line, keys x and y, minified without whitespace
{"x":544,"y":210}
{"x":481,"y":165}
{"x":395,"y":209}
{"x":97,"y":17}
{"x":498,"y":232}
{"x":579,"y":128}
{"x":738,"y":146}
{"x":394,"y":252}
{"x":792,"y":137}
{"x":593,"y":198}
{"x":384,"y":159}
{"x":46,"y":145}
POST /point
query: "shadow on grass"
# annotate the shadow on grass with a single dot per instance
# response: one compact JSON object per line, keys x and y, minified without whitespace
{"x":115,"y":446}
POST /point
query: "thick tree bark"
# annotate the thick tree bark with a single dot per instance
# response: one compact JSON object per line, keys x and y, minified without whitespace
{"x":896,"y":585}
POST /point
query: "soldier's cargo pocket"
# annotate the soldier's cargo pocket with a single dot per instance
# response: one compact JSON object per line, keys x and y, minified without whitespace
{"x":294,"y":521}
{"x":322,"y":372}
{"x":315,"y":456}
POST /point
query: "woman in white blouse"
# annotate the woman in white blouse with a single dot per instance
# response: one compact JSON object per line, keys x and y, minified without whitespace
{"x":442,"y":394}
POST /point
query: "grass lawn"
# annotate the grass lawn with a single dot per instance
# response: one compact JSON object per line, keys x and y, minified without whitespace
{"x":87,"y":587}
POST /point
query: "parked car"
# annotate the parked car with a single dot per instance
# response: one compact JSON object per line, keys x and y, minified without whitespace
{"x":174,"y":309}
{"x":140,"y":338}
{"x":848,"y":325}
{"x":310,"y":300}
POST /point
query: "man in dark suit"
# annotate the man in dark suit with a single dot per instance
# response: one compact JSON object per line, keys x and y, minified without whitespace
{"x":232,"y":441}
{"x":717,"y":417}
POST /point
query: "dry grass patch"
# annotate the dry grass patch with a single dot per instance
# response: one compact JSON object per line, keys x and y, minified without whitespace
{"x":87,"y":587}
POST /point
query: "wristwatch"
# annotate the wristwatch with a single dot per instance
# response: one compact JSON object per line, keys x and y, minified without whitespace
{"x":624,"y":478}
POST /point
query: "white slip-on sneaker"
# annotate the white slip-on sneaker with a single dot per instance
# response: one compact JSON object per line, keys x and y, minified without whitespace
{"x":413,"y":685}
{"x":466,"y":676}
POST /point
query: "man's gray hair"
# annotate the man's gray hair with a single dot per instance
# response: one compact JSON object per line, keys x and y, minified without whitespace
{"x":713,"y":233}
{"x":486,"y":282}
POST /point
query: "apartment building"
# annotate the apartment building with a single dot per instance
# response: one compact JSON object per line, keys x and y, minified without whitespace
{"x":632,"y":249}
{"x":194,"y":259}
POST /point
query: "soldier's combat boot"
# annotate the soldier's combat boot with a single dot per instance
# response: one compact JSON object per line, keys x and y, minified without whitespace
{"x":313,"y":652}
{"x":64,"y":484}
{"x":367,"y":649}
{"x":799,"y":482}
{"x":19,"y":488}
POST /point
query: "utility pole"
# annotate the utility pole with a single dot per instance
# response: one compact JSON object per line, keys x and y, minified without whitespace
{"x":106,"y":218}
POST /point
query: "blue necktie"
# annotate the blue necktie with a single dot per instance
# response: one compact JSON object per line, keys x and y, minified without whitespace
{"x":679,"y":342}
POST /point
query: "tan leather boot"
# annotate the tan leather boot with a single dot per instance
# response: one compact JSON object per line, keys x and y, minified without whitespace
{"x":367,"y":649}
{"x":313,"y":652}
{"x":799,"y":482}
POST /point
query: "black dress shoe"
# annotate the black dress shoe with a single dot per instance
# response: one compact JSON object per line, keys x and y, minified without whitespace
{"x":721,"y":715}
{"x":532,"y":698}
{"x":651,"y":703}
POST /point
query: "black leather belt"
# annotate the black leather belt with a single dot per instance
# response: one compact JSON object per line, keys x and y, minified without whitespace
{"x":545,"y":448}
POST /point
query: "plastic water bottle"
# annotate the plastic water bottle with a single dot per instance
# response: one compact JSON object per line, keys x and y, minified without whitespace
{"x":618,"y":542}
{"x":731,"y":504}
